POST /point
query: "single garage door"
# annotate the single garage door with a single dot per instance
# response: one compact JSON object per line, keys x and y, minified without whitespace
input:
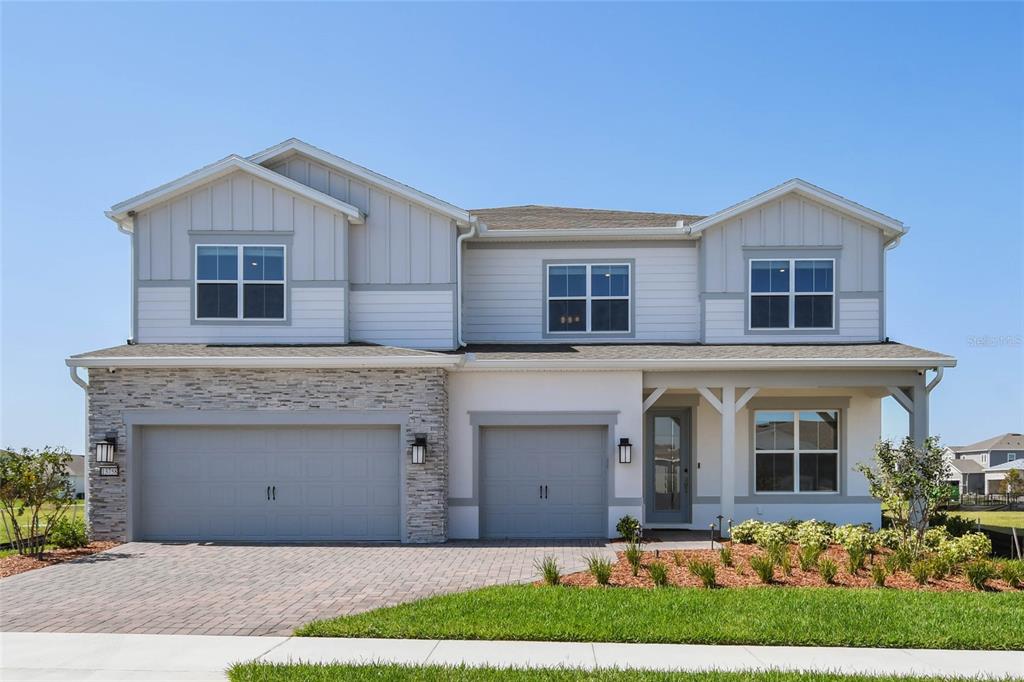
{"x":268,"y":484}
{"x":543,"y":482}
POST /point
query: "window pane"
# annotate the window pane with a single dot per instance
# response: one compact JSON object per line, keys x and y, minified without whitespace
{"x":812,"y":311}
{"x":217,"y":262}
{"x":609,"y":315}
{"x":819,"y":473}
{"x":774,"y":472}
{"x":264,"y":301}
{"x":769,"y":312}
{"x":819,"y":430}
{"x":567,"y":280}
{"x":609,"y":280}
{"x":769,"y":276}
{"x":567,"y":316}
{"x":216,"y":300}
{"x":263,"y":262}
{"x":813,"y":275}
{"x":667,"y":463}
{"x":773,"y":430}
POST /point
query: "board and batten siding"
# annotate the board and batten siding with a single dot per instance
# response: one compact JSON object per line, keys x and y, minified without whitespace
{"x":315,"y":315}
{"x":401,"y":243}
{"x":240,"y":204}
{"x":503,"y":291}
{"x":411,"y":318}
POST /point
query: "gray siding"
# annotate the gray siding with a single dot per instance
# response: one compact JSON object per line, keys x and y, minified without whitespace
{"x":413,"y":318}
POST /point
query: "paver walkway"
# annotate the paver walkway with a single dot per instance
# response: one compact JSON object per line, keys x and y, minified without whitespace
{"x":216,"y":589}
{"x":50,"y":656}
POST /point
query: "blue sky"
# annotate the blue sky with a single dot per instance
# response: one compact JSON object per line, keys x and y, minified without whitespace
{"x":913,"y":109}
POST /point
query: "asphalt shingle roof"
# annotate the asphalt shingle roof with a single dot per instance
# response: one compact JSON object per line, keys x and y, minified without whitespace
{"x":202,"y":350}
{"x":534,"y":217}
{"x":1006,"y":441}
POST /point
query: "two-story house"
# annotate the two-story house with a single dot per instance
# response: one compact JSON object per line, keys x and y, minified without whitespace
{"x":321,"y":353}
{"x":982,"y":467}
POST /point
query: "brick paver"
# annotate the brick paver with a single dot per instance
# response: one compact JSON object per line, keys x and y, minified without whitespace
{"x":218,"y":589}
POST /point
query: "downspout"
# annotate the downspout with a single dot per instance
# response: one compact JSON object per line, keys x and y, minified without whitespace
{"x":935,"y":379}
{"x":458,"y":275}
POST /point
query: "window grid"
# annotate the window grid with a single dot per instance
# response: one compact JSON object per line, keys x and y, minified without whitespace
{"x":588,"y":297}
{"x":791,"y":294}
{"x":796,"y":452}
{"x":240,"y":281}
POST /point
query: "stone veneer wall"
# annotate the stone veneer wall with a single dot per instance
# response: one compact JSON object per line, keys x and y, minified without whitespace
{"x":421,"y":391}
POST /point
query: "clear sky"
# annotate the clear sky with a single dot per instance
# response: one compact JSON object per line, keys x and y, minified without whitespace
{"x":914,"y":109}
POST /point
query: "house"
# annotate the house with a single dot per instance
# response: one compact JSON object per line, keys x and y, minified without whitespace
{"x":76,"y":476}
{"x":987,"y":462}
{"x":322,"y":353}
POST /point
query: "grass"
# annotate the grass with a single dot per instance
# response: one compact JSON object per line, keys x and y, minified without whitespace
{"x":1000,"y":519}
{"x":307,"y":672}
{"x":766,"y":615}
{"x":76,"y":509}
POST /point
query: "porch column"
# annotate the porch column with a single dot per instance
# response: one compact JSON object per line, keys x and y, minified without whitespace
{"x":914,"y":399}
{"x":727,"y":407}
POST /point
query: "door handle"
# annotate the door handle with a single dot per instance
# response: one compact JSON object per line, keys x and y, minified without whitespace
{"x":540,"y":492}
{"x":275,"y":492}
{"x":268,"y":492}
{"x":545,"y":492}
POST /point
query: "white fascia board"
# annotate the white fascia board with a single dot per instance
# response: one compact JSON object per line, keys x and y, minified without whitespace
{"x":229,"y":164}
{"x":624,"y":233}
{"x":705,"y":365}
{"x":887,"y":224}
{"x":383,"y":361}
{"x":295,"y":145}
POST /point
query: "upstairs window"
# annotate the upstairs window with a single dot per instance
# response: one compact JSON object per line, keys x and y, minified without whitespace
{"x":588,"y":298}
{"x":796,"y":451}
{"x":792,"y":294}
{"x":239,"y":282}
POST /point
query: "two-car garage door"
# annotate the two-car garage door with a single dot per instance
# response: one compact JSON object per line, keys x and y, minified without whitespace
{"x":268,"y":484}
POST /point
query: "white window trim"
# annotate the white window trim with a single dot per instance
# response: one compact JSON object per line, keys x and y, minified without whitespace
{"x":1011,"y":456}
{"x":240,"y":282}
{"x":796,"y":452}
{"x":588,"y":298}
{"x":791,"y":294}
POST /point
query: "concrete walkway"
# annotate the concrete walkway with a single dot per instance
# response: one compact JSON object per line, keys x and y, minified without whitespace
{"x":59,"y":656}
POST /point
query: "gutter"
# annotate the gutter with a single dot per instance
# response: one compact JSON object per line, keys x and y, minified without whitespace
{"x":458,"y":277}
{"x":473,"y":363}
{"x":383,"y":361}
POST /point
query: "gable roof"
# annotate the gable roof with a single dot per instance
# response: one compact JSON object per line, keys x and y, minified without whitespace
{"x":121,"y":213}
{"x":1006,"y":466}
{"x":534,"y":217}
{"x":296,"y":146}
{"x":890,"y":226}
{"x":966,"y":466}
{"x":1006,"y":441}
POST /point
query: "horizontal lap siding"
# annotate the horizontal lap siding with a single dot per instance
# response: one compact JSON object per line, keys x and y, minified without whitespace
{"x":503,"y":291}
{"x":409,"y":318}
{"x":317,"y":315}
{"x":725,"y":322}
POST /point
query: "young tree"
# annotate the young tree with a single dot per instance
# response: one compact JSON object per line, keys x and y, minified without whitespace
{"x":910,"y":482}
{"x":1013,"y":484}
{"x":32,"y":482}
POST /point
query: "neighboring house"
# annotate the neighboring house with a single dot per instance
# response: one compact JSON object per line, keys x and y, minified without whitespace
{"x":994,"y":476}
{"x":967,"y":475}
{"x":986,"y":462}
{"x":321,"y":353}
{"x":76,"y":475}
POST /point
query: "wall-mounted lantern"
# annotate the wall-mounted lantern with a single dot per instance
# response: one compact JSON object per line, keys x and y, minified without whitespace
{"x":419,"y":448}
{"x":625,"y":451}
{"x":106,"y":448}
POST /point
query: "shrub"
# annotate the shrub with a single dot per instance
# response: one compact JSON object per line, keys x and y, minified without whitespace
{"x":628,"y":528}
{"x":770,"y":534}
{"x":904,"y":555}
{"x":855,"y":558}
{"x":889,"y":538}
{"x":878,"y":575}
{"x":785,"y":561}
{"x":921,"y":570}
{"x":634,"y":553}
{"x":808,"y":557}
{"x":705,"y":570}
{"x":933,"y":537}
{"x":725,"y":555}
{"x":854,"y":536}
{"x":659,"y":573}
{"x":548,"y":568}
{"x":957,"y":526}
{"x":677,"y":557}
{"x":940,"y":567}
{"x":744,"y":532}
{"x":68,"y":533}
{"x":1012,"y":572}
{"x":828,"y":570}
{"x":814,"y":534}
{"x":979,"y":572}
{"x":966,"y":548}
{"x":600,"y":568}
{"x":764,"y":567}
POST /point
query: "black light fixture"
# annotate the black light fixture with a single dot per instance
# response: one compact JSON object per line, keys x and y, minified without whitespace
{"x":106,"y":448}
{"x":625,"y":451}
{"x":419,"y":448}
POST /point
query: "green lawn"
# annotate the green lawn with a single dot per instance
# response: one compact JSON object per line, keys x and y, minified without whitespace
{"x":768,"y":615}
{"x":304,"y":672}
{"x":76,"y":509}
{"x":1002,"y":519}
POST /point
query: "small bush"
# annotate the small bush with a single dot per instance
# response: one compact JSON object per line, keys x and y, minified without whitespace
{"x":814,"y":534}
{"x":967,"y":547}
{"x":921,"y":570}
{"x":677,"y":557}
{"x":705,"y":570}
{"x":940,"y":567}
{"x":628,"y":528}
{"x":855,"y":558}
{"x":68,"y":533}
{"x":935,"y":536}
{"x":878,"y":575}
{"x":634,"y":553}
{"x":744,"y":532}
{"x":958,"y":526}
{"x":889,"y":538}
{"x":903,"y":556}
{"x":979,"y":572}
{"x":600,"y":568}
{"x":808,"y":557}
{"x":785,"y":562}
{"x":1012,"y":572}
{"x":659,"y":573}
{"x":771,"y":534}
{"x":764,"y":567}
{"x":548,"y":569}
{"x":725,"y":555}
{"x":828,"y":570}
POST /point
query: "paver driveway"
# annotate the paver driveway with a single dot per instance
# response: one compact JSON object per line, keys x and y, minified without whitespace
{"x":256,"y":589}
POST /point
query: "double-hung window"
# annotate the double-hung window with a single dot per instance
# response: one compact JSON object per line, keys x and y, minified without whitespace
{"x":792,"y":294}
{"x":240,"y":282}
{"x":588,"y":298}
{"x":796,"y":451}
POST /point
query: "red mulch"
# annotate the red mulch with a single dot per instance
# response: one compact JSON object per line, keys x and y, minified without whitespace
{"x":16,"y":563}
{"x":740,"y":574}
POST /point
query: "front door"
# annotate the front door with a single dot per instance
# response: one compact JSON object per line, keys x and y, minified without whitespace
{"x":667,"y":472}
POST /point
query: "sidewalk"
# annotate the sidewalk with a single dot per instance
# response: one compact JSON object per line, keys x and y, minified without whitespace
{"x":60,"y":656}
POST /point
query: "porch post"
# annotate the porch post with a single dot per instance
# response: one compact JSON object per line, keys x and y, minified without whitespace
{"x":919,"y":415}
{"x":728,"y":497}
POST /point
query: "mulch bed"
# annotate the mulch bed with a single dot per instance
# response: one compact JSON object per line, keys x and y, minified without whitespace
{"x":740,"y":574}
{"x":16,"y":563}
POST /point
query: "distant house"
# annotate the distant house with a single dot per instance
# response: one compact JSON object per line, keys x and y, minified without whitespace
{"x":982,"y":466}
{"x":76,"y":475}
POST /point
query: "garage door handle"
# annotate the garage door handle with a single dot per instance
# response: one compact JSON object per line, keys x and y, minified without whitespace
{"x":268,"y":492}
{"x":545,"y":492}
{"x":275,"y":492}
{"x":540,"y":492}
